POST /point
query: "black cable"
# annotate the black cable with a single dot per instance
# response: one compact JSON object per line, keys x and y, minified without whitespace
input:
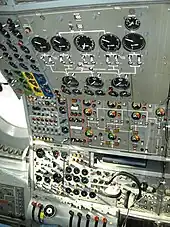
{"x":33,"y":212}
{"x":134,"y":178}
{"x":39,"y":214}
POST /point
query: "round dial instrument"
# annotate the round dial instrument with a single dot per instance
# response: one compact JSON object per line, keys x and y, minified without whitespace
{"x":40,"y":44}
{"x":112,"y":136}
{"x":84,"y":43}
{"x":70,"y":81}
{"x":136,"y":106}
{"x":25,"y":49}
{"x":17,"y":34}
{"x":5,"y":34}
{"x":94,"y":81}
{"x":132,"y":23}
{"x":120,"y":83}
{"x":76,"y":91}
{"x":133,"y":42}
{"x":109,"y":42}
{"x":112,"y":113}
{"x":111,"y":104}
{"x":60,"y":44}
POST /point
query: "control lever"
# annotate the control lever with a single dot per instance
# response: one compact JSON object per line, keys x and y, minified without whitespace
{"x":87,"y":220}
{"x":104,"y":220}
{"x":71,"y":218}
{"x":96,"y":219}
{"x":79,"y":219}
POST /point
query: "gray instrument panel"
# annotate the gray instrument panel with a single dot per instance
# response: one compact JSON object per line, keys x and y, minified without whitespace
{"x":96,"y":82}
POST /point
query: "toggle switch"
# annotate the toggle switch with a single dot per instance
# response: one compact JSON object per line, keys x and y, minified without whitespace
{"x":79,"y":219}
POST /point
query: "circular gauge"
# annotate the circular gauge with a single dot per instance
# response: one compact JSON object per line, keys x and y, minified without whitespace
{"x":61,"y":101}
{"x":23,"y":66}
{"x":136,"y":106}
{"x":160,"y":112}
{"x":112,"y":113}
{"x":133,"y":42}
{"x":5,"y":34}
{"x":84,"y":193}
{"x":109,"y":42}
{"x":5,"y":54}
{"x":76,"y":192}
{"x":125,"y":94}
{"x":87,"y":103}
{"x":57,"y":178}
{"x":99,"y":92}
{"x":76,"y":179}
{"x":120,"y":83}
{"x":40,"y":153}
{"x":40,"y":44}
{"x":18,"y":57}
{"x":84,"y":180}
{"x":94,"y":81}
{"x":65,"y":90}
{"x":92,"y":195}
{"x":76,"y":91}
{"x":28,"y":56}
{"x":68,"y":177}
{"x":62,"y":110}
{"x":89,"y":133}
{"x":34,"y":67}
{"x":112,"y":136}
{"x":68,"y":169}
{"x":84,"y":172}
{"x":70,"y":81}
{"x":132,"y":23}
{"x":136,"y":115}
{"x":12,"y":47}
{"x":111,"y":104}
{"x":47,"y":180}
{"x":25,"y":49}
{"x":84,"y":43}
{"x":13,"y":65}
{"x":68,"y":190}
{"x":88,"y":92}
{"x":135,"y":138}
{"x":2,"y":47}
{"x":49,"y":211}
{"x":60,"y":44}
{"x":64,"y":130}
{"x":38,"y":178}
{"x":88,"y":112}
{"x":76,"y":170}
{"x":17,"y":34}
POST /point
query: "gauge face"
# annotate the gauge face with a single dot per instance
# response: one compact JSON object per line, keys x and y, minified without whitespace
{"x":160,"y":112}
{"x":112,"y":136}
{"x":132,"y":23}
{"x":60,"y":44}
{"x":17,"y":34}
{"x":23,"y":66}
{"x":2,"y":47}
{"x":5,"y":34}
{"x":120,"y":83}
{"x":136,"y":106}
{"x":111,"y":104}
{"x":34,"y":67}
{"x":88,"y":112}
{"x":12,"y":47}
{"x":95,"y":82}
{"x":99,"y":92}
{"x":76,"y":91}
{"x":125,"y":94}
{"x":70,"y":81}
{"x":84,"y":43}
{"x":25,"y":49}
{"x":133,"y":42}
{"x":136,"y":115}
{"x":112,"y":113}
{"x":13,"y":65}
{"x":88,"y":92}
{"x":40,"y":44}
{"x":109,"y":42}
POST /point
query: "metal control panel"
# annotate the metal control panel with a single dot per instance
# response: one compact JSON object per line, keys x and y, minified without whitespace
{"x":96,"y":87}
